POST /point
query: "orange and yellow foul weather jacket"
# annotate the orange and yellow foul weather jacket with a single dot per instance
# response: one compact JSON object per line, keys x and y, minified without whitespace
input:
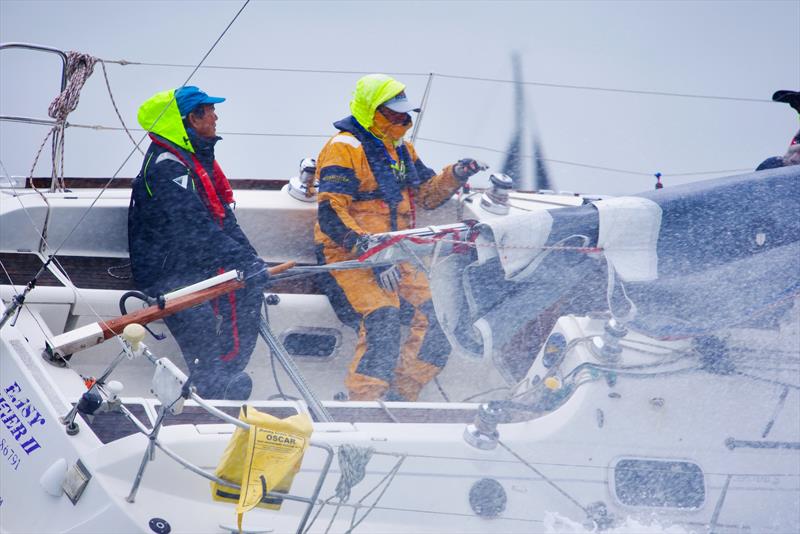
{"x":368,"y":185}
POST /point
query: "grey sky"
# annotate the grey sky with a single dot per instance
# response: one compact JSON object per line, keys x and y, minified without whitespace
{"x":736,"y":49}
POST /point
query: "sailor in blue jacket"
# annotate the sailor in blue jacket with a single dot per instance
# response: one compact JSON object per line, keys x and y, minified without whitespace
{"x":792,"y":156}
{"x":181,"y":230}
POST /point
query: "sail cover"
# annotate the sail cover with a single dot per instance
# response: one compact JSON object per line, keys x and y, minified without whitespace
{"x":675,"y":262}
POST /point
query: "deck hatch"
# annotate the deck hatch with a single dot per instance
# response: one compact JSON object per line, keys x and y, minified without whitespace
{"x":659,"y":483}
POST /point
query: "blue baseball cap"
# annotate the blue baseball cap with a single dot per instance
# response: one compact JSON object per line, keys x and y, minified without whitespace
{"x":189,"y":97}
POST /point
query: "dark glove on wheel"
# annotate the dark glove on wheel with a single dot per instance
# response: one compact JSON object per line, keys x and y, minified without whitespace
{"x":257,"y":275}
{"x":467,"y":167}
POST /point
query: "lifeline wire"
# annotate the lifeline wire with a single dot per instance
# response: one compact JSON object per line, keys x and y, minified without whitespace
{"x":124,"y":62}
{"x":51,"y":258}
{"x":91,"y":206}
{"x":100,"y":127}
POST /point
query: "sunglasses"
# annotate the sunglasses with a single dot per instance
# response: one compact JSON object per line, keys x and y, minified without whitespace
{"x":394,"y":116}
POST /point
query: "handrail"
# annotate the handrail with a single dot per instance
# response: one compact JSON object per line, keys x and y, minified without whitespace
{"x":154,"y":441}
{"x":63,"y":56}
{"x":59,"y":53}
{"x":134,"y":347}
{"x":310,"y":501}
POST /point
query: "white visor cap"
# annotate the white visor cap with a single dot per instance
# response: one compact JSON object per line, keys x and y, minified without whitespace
{"x":400,"y":103}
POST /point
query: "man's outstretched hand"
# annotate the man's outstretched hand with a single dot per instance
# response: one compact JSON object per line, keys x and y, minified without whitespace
{"x":467,"y":167}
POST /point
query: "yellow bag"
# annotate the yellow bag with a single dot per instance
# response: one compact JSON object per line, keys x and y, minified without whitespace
{"x":262,"y":459}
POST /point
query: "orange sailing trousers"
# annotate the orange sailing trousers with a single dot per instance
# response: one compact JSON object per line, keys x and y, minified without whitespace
{"x":383,"y":365}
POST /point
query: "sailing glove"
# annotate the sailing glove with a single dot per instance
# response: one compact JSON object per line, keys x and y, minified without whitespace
{"x":257,"y":274}
{"x":467,"y":167}
{"x":388,"y":277}
{"x":363,"y":244}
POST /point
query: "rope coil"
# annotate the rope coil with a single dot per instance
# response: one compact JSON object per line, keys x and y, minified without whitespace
{"x":79,"y":67}
{"x":353,"y":462}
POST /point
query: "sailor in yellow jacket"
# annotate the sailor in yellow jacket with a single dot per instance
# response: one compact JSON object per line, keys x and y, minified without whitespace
{"x":370,"y":181}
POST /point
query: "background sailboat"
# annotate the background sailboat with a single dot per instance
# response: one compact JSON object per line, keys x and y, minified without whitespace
{"x":528,"y":172}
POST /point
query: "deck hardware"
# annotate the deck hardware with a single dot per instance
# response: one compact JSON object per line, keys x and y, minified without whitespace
{"x":482,"y":432}
{"x":495,"y":199}
{"x":607,"y":347}
{"x":615,"y":329}
{"x":605,"y":351}
{"x":92,"y":400}
{"x":598,"y":516}
{"x":149,"y":452}
{"x":554,"y":350}
{"x":53,"y":478}
{"x":159,"y":526}
{"x":164,"y":411}
{"x":168,"y":385}
{"x":487,"y":498}
{"x":76,"y":481}
{"x":732,"y":444}
{"x":303,"y":186}
{"x":15,"y":307}
{"x":160,"y":300}
{"x":553,"y":383}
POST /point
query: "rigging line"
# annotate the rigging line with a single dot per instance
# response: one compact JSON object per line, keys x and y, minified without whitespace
{"x":606,"y":89}
{"x":775,"y":412}
{"x":386,"y":481}
{"x":576,"y":164}
{"x":10,"y":282}
{"x":441,"y":389}
{"x":116,"y":109}
{"x":557,"y":464}
{"x":113,"y":177}
{"x":502,"y":388}
{"x":52,"y":258}
{"x":35,"y":319}
{"x":438,"y":512}
{"x":108,"y":183}
{"x":124,"y":62}
{"x":579,"y":466}
{"x":767,"y":380}
{"x":545,"y":478}
{"x":99,"y":127}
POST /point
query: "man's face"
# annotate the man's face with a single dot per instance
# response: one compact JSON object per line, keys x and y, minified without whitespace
{"x":204,"y":120}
